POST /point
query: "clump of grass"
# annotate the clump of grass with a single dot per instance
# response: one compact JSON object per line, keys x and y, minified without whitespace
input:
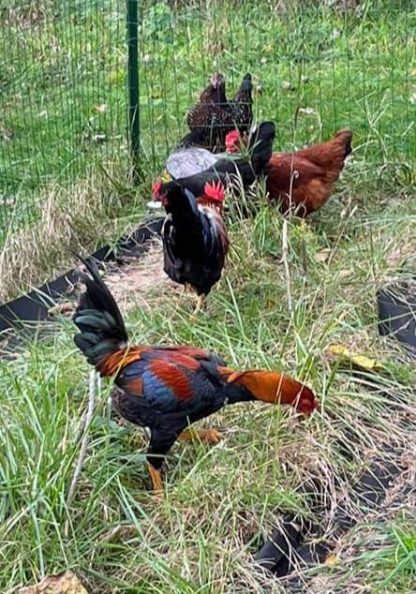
{"x":92,"y":213}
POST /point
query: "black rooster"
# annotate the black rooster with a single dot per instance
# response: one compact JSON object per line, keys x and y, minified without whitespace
{"x":195,"y":239}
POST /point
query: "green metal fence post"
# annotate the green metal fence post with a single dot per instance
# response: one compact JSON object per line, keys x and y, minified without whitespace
{"x":133,"y":83}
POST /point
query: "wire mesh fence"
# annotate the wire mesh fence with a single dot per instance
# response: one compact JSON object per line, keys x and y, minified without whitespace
{"x":317,"y":67}
{"x":62,"y":96}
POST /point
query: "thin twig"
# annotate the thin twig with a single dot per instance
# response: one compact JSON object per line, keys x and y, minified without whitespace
{"x":84,"y":443}
{"x":285,"y":254}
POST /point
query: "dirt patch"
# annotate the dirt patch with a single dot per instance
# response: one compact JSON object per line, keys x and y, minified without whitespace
{"x":133,"y":281}
{"x":140,"y":281}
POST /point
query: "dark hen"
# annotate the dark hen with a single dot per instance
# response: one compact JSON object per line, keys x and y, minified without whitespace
{"x":245,"y":168}
{"x":211,"y":118}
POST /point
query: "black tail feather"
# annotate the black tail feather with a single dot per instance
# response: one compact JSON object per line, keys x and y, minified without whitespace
{"x":98,"y":297}
{"x":261,"y":144}
{"x":186,"y":220}
{"x":101,"y":325}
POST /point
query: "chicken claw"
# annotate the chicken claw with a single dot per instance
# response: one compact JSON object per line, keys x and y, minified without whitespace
{"x":199,"y":304}
{"x":212,"y":436}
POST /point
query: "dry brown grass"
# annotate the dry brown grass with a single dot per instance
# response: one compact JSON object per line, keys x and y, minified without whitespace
{"x":80,"y":218}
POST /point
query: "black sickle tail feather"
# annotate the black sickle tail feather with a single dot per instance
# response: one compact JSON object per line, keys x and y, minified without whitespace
{"x":246,"y":87}
{"x":261,"y":144}
{"x":102,"y":330}
{"x":186,"y":237}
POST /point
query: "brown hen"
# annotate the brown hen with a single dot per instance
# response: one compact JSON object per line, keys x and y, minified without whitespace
{"x":302,"y":181}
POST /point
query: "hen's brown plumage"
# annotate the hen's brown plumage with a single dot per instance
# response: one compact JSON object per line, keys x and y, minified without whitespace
{"x":303,"y":180}
{"x":211,"y":118}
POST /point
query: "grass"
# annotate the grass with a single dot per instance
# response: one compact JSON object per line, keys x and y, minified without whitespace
{"x":221,"y":502}
{"x":317,"y":69}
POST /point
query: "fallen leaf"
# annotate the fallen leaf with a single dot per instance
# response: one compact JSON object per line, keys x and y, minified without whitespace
{"x":101,"y":108}
{"x":331,"y":560}
{"x":6,"y":133}
{"x":322,"y":255}
{"x":360,"y":361}
{"x":287,"y":86}
{"x":63,"y":583}
{"x":61,"y":308}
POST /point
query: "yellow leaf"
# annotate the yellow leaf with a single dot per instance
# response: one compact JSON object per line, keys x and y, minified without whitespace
{"x":165,"y":177}
{"x":102,"y":108}
{"x":358,"y":360}
{"x":331,"y":560}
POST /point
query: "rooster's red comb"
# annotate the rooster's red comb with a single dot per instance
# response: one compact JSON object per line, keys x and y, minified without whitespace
{"x":232,"y":141}
{"x":214,"y":191}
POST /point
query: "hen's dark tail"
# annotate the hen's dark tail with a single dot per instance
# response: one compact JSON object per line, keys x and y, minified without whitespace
{"x":261,"y":145}
{"x":98,"y":318}
{"x":246,"y":87}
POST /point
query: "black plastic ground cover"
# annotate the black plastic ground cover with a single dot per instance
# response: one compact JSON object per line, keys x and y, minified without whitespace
{"x":33,"y":306}
{"x":297,"y":543}
{"x":397,"y":313}
{"x":288,"y":546}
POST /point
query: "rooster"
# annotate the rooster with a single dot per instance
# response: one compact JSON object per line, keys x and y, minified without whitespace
{"x":195,"y":240}
{"x":169,"y":388}
{"x":246,"y":167}
{"x":303,"y":180}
